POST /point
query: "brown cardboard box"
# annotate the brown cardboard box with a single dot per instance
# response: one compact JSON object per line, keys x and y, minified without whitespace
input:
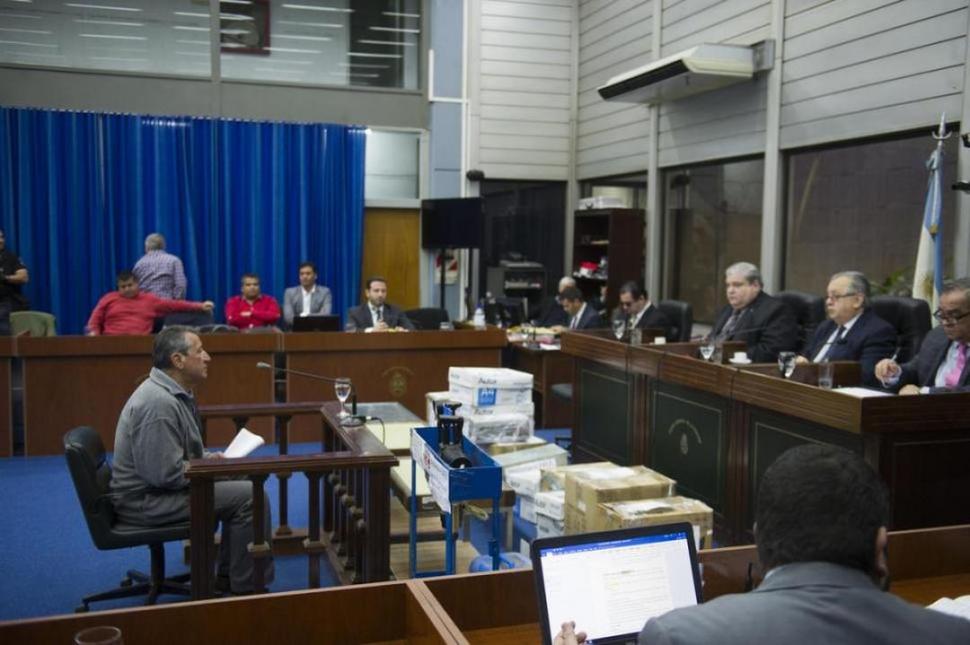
{"x":555,"y":478}
{"x":651,"y":512}
{"x":504,"y":447}
{"x":575,"y":521}
{"x":587,"y":488}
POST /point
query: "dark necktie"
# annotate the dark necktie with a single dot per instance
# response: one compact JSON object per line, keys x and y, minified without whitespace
{"x":730,"y":325}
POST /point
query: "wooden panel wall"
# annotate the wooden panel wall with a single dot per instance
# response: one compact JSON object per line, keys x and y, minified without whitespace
{"x":520,"y":84}
{"x":855,"y":69}
{"x":614,"y":37}
{"x":391,"y":248}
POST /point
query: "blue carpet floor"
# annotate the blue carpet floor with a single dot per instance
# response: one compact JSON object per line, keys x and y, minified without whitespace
{"x":49,"y":562}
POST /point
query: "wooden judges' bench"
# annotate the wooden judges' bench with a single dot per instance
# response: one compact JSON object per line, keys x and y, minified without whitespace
{"x":716,"y":428}
{"x":478,"y":608}
{"x":78,"y":380}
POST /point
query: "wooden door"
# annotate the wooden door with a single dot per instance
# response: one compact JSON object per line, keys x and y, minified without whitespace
{"x":391,"y":250}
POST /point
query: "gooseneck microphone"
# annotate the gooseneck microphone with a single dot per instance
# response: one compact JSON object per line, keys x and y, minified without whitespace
{"x":319,"y":377}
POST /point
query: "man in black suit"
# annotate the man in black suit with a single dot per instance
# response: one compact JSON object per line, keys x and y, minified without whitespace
{"x":639,"y":312}
{"x":581,"y":315}
{"x":853,"y":332}
{"x":551,"y":312}
{"x":376,"y":314}
{"x":941,"y":365}
{"x":765,"y":324}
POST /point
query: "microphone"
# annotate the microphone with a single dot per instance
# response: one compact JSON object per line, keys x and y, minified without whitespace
{"x":327,"y":379}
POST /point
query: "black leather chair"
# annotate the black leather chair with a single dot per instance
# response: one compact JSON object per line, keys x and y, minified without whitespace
{"x":909,"y":317}
{"x":427,"y":317}
{"x":809,"y":312}
{"x":681,"y":317}
{"x":92,"y":475}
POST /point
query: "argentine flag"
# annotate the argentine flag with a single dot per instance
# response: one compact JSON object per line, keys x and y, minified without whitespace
{"x":928,"y":276}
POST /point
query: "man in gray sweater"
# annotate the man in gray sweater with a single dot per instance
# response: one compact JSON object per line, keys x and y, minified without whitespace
{"x":158,"y":433}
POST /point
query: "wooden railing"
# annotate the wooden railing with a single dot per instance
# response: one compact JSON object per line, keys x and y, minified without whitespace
{"x":355,"y":468}
{"x":282,"y":413}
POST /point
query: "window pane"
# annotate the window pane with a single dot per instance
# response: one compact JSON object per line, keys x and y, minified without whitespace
{"x":370,"y":43}
{"x":860,"y":207}
{"x":157,"y":36}
{"x":713,"y":220}
{"x":392,"y":165}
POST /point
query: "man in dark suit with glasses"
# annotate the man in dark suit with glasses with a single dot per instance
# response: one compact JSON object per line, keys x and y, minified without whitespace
{"x":941,"y":365}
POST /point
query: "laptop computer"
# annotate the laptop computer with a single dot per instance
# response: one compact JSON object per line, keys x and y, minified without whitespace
{"x":610,"y":583}
{"x":316,"y":323}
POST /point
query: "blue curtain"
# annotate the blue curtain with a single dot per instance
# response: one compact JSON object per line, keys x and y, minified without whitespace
{"x":79,"y":192}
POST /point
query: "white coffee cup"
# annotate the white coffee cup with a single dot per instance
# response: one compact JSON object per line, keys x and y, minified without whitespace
{"x":740,"y":357}
{"x":660,"y":340}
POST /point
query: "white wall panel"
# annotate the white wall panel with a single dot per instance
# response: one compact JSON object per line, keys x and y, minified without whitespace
{"x":857,"y":69}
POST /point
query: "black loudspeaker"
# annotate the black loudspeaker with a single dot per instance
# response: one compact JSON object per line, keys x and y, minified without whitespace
{"x":475,"y":175}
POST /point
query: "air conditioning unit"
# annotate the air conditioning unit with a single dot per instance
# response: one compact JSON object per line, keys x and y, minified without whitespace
{"x":699,"y":69}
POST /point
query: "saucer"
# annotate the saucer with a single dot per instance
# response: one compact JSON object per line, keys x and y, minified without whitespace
{"x":734,"y":361}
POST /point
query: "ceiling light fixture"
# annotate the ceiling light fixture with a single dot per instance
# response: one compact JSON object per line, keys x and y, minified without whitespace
{"x":107,"y":7}
{"x":307,"y":7}
{"x":393,"y":43}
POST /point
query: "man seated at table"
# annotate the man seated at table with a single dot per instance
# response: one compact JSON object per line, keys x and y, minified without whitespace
{"x":307,"y":299}
{"x":765,"y":324}
{"x":157,"y":434}
{"x":252,"y":309}
{"x":820,"y":529}
{"x":941,"y":365}
{"x":639,"y":312}
{"x":853,"y":332}
{"x":377,"y":314}
{"x":132,"y":311}
{"x":580,"y":314}
{"x":551,"y":312}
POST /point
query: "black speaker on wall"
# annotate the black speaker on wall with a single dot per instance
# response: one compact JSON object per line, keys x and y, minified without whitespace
{"x":452,"y":223}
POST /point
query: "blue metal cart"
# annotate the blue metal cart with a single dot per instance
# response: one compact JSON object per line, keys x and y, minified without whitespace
{"x":449,"y":486}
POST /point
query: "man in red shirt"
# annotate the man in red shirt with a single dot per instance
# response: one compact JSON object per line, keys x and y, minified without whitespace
{"x":129,"y":311}
{"x":251,"y":309}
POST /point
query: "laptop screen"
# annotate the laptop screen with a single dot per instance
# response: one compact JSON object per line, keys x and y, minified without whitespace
{"x":611,"y":583}
{"x":319,"y":322}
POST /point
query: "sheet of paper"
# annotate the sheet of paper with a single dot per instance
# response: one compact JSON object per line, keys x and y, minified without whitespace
{"x":243,"y":444}
{"x":860,"y":392}
{"x":959,"y":607}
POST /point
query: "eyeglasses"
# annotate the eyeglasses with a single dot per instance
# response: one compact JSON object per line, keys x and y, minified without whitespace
{"x":949,"y":317}
{"x":839,"y":296}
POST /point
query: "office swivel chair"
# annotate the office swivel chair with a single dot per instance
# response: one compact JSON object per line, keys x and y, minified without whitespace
{"x":427,"y":318}
{"x":681,"y":317}
{"x":910,"y":317}
{"x":809,"y":310}
{"x":33,"y":323}
{"x":91,"y":475}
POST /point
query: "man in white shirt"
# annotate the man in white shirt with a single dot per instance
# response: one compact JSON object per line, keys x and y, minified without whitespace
{"x":307,"y":299}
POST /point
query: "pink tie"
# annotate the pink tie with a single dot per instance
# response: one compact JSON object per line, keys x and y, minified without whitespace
{"x":952,"y":378}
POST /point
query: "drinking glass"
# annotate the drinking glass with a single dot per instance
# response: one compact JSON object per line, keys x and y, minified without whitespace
{"x":786,"y":363}
{"x":101,"y":635}
{"x":342,"y":389}
{"x":707,"y":349}
{"x":619,"y":328}
{"x":825,"y":373}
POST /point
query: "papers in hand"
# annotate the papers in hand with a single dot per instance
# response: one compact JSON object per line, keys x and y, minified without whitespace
{"x":243,"y":444}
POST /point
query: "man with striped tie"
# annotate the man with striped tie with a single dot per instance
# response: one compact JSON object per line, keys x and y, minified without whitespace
{"x":941,"y":365}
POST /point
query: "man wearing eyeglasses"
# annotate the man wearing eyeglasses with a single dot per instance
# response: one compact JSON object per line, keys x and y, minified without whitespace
{"x":853,"y":332}
{"x":941,"y":365}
